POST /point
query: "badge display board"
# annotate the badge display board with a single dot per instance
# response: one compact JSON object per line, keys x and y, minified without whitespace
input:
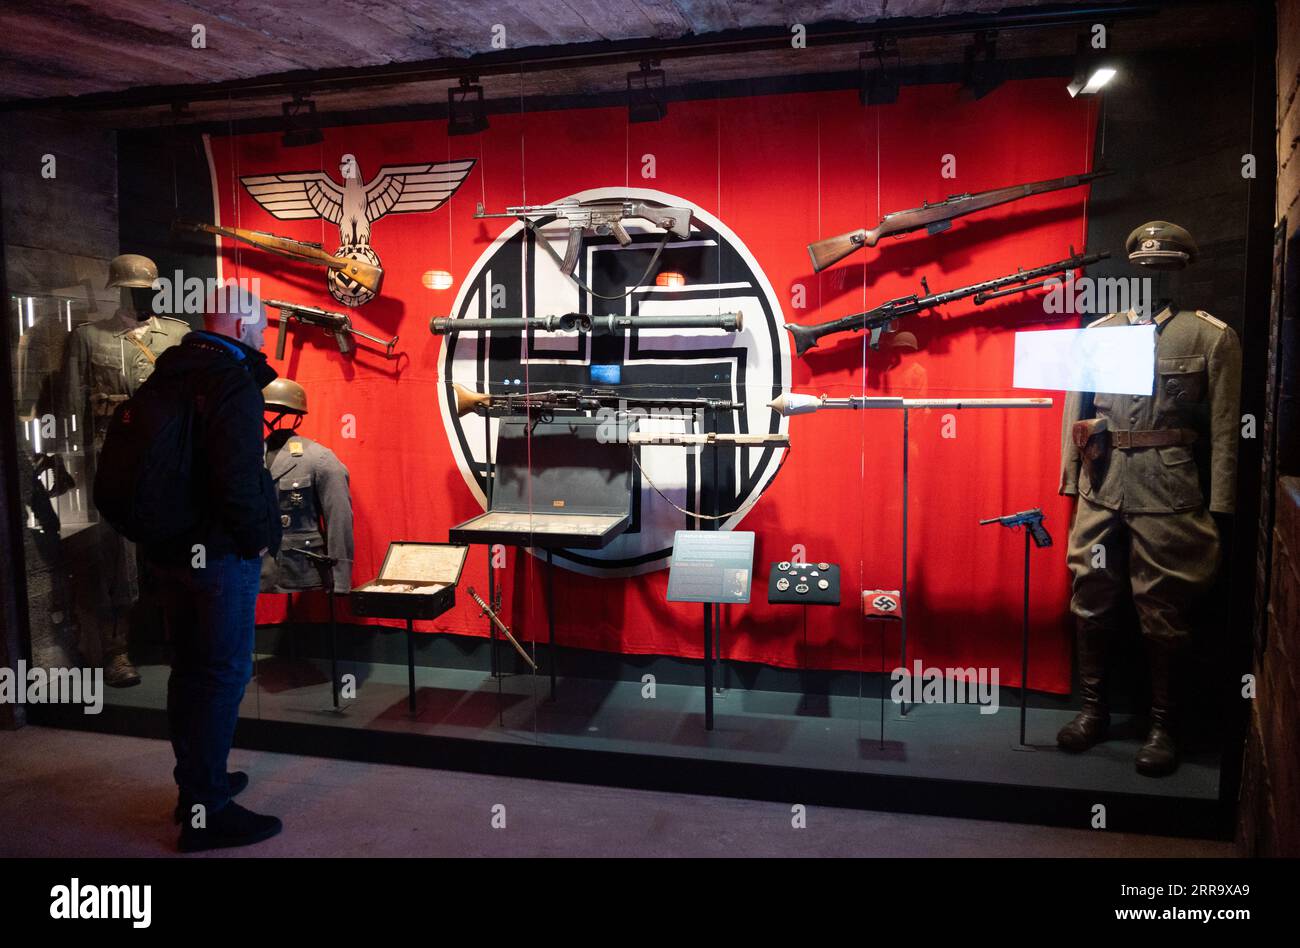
{"x":430,"y":570}
{"x":804,"y":584}
{"x":711,"y":566}
{"x":557,"y":485}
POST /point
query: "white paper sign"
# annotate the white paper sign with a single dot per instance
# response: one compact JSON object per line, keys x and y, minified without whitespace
{"x":1115,"y":359}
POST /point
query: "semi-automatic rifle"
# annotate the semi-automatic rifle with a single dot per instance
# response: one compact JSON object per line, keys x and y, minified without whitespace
{"x":339,"y":325}
{"x":366,"y":274}
{"x":584,"y":322}
{"x":935,"y":218}
{"x":602,"y":217}
{"x":546,"y":401}
{"x":878,"y":320}
{"x":1032,"y":520}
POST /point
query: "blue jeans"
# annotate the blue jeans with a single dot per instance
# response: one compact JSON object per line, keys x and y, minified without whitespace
{"x":209,"y":615}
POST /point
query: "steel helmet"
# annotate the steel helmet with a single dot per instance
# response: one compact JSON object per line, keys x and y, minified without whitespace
{"x":1161,"y":245}
{"x":132,"y":270}
{"x":285,"y":395}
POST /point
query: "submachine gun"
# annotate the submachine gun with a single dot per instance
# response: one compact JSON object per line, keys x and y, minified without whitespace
{"x":339,"y":325}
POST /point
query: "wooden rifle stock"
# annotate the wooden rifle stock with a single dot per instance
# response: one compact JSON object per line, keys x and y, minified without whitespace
{"x":468,"y":400}
{"x":832,"y":250}
{"x":366,"y":274}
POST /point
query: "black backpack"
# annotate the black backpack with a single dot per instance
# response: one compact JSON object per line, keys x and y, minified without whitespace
{"x":144,"y":477}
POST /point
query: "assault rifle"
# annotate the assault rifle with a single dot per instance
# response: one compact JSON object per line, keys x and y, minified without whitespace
{"x":602,"y":217}
{"x":571,"y":399}
{"x":878,"y":320}
{"x":584,"y":322}
{"x":1030,"y":519}
{"x":337,"y":324}
{"x":935,"y":218}
{"x":366,"y":274}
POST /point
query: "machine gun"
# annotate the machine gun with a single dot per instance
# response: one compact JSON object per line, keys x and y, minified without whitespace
{"x":879,"y":319}
{"x":935,"y":218}
{"x":602,"y":217}
{"x":1030,"y":519}
{"x":584,"y":322}
{"x":337,"y":324}
{"x":548,"y":401}
{"x":366,"y":274}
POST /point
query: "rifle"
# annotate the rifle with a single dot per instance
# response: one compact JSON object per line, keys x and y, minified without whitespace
{"x":570,"y":399}
{"x":366,"y":274}
{"x":584,"y":322}
{"x":879,"y":319}
{"x":337,"y":324}
{"x":935,"y":218}
{"x":602,"y":217}
{"x":1031,"y":519}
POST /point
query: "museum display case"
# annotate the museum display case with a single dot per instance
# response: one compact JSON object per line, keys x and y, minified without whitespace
{"x":714,"y":416}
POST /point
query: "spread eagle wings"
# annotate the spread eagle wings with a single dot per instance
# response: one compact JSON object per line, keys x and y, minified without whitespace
{"x":300,"y":195}
{"x":402,"y":189}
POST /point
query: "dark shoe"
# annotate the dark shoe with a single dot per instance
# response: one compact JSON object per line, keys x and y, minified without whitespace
{"x":120,"y":673}
{"x":1158,"y":757}
{"x":1089,"y":727}
{"x":232,"y":825}
{"x":237,"y":781}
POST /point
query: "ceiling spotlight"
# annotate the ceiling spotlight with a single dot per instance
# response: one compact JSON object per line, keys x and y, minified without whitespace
{"x":878,"y":73}
{"x":646,"y":97}
{"x":1093,"y":70}
{"x":301,"y":126}
{"x":983,"y":71}
{"x":465,"y":111}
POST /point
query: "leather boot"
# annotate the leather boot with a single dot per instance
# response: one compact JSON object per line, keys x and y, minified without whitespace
{"x":120,"y":673}
{"x":1092,"y":722}
{"x":1158,"y":757}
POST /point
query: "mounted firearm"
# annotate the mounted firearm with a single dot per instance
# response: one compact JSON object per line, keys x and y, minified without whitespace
{"x":798,"y":403}
{"x":365,"y":274}
{"x":502,"y":627}
{"x":337,"y":324}
{"x":879,"y":319}
{"x":935,"y":218}
{"x":571,"y":399}
{"x":584,"y":322}
{"x":602,"y":217}
{"x":1030,"y":519}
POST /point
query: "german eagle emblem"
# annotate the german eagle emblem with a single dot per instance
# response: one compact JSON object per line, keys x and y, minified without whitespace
{"x":354,"y":206}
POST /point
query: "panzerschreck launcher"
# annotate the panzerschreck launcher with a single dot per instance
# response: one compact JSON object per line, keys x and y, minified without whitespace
{"x":584,"y":322}
{"x":879,"y":319}
{"x":366,"y":274}
{"x":935,"y":218}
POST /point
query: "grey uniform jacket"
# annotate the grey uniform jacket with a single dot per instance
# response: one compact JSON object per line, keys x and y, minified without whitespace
{"x":1197,"y":387}
{"x":103,"y":367}
{"x":315,"y":514}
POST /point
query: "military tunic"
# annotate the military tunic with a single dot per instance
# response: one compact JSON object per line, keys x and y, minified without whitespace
{"x":315,"y":514}
{"x":105,"y":363}
{"x":1144,"y":505}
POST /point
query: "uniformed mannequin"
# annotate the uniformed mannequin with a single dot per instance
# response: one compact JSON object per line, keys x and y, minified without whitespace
{"x":1133,"y":462}
{"x":106,"y":361}
{"x":315,"y":506}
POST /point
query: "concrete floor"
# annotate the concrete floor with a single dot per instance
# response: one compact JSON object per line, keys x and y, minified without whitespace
{"x":68,"y":793}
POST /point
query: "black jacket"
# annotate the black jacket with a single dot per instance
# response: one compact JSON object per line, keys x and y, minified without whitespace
{"x":225,"y":378}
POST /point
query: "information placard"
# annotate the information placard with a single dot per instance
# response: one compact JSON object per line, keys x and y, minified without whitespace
{"x":711,"y":566}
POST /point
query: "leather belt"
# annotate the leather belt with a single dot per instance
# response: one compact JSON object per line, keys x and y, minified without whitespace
{"x":1151,"y":438}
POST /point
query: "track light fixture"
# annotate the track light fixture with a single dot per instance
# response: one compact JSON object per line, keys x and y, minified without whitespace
{"x":983,"y":71}
{"x":301,"y":126}
{"x":646,"y":97}
{"x":1094,"y":68}
{"x":466,"y":114}
{"x":878,"y":72}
